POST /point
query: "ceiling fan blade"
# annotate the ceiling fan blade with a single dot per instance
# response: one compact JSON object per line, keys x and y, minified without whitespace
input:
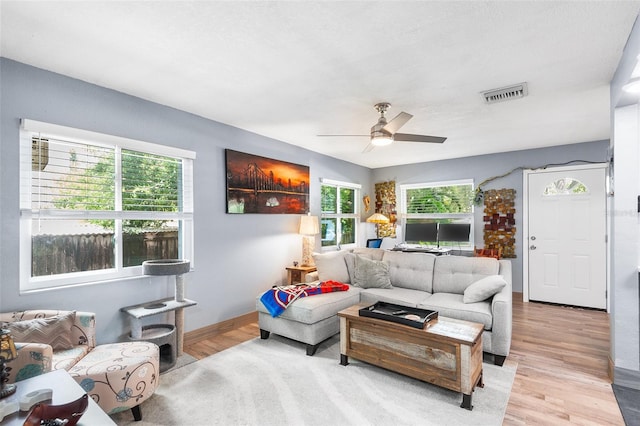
{"x":405,"y":137}
{"x":397,"y":122}
{"x":368,"y":148}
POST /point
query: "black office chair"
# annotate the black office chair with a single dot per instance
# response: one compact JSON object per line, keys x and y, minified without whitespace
{"x":374,"y":242}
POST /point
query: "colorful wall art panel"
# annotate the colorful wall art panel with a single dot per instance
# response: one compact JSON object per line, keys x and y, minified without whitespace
{"x":499,"y":221}
{"x":386,"y":204}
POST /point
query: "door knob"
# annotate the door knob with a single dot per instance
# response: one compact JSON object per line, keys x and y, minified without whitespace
{"x":532,"y":247}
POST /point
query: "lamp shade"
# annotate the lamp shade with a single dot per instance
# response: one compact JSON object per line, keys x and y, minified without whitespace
{"x":378,"y":218}
{"x":309,"y":225}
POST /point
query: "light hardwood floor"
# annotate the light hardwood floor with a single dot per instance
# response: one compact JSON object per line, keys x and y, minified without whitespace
{"x":561,"y":353}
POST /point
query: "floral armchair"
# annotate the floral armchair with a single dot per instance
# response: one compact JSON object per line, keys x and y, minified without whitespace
{"x":118,"y":376}
{"x":38,"y":358}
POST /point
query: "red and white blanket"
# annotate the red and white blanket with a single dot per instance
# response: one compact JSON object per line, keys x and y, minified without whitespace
{"x":279,"y":298}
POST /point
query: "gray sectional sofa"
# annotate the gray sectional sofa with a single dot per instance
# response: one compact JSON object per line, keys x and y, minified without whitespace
{"x":475,"y":289}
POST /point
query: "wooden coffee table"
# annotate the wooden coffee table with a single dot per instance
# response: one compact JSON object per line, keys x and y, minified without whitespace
{"x":447,"y":352}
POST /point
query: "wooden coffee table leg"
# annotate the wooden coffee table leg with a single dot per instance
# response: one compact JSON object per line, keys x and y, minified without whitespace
{"x":344,"y":360}
{"x":466,"y":401}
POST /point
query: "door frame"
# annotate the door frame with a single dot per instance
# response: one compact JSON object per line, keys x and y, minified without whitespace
{"x":525,"y":221}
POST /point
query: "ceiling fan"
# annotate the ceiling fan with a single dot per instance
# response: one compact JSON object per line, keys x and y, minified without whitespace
{"x":384,"y":133}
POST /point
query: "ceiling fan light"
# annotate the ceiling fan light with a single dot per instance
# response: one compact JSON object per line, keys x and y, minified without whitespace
{"x":381,"y":140}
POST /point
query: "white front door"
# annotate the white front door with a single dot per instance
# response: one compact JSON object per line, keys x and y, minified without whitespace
{"x":567,"y":236}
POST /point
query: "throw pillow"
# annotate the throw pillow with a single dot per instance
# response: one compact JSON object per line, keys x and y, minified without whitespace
{"x":370,"y":253}
{"x":350,"y":260}
{"x":483,"y":289}
{"x":370,"y":273}
{"x":331,"y":266}
{"x":54,"y":331}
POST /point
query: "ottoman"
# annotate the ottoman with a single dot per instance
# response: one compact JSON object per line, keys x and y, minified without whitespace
{"x":119,"y":376}
{"x":310,"y":320}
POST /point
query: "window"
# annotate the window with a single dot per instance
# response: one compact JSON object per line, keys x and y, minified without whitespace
{"x":338,"y":223}
{"x":565,"y":186}
{"x":94,"y":207}
{"x":441,"y":203}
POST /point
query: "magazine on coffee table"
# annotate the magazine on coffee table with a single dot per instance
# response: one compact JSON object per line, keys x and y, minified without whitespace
{"x":413,"y":317}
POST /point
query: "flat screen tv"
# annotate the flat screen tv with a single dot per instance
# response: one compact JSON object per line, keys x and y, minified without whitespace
{"x":417,"y":232}
{"x":456,"y":232}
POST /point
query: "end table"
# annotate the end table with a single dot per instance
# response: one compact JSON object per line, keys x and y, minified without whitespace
{"x":295,"y":274}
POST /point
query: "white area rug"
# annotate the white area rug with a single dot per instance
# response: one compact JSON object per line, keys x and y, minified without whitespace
{"x":274,"y":382}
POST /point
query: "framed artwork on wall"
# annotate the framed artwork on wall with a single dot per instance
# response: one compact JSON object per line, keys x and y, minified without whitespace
{"x":263,"y":185}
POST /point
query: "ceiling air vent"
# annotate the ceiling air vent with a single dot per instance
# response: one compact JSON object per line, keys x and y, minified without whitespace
{"x":506,"y":93}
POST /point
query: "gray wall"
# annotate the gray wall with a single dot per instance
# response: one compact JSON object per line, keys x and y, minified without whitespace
{"x":483,"y":167}
{"x":236,"y":256}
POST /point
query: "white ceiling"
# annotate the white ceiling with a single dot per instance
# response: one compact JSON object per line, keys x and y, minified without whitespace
{"x":293,"y":70}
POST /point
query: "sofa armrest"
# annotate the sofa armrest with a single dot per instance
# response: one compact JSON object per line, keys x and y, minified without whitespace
{"x":501,"y":308}
{"x":504,"y":269}
{"x":311,"y":277}
{"x":33,"y":359}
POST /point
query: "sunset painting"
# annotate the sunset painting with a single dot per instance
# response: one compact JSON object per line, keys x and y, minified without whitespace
{"x":263,"y":185}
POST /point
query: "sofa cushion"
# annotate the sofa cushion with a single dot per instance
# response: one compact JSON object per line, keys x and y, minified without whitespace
{"x":410,"y":270}
{"x":54,"y":331}
{"x":370,"y":253}
{"x":371,"y":273}
{"x":453,"y":274}
{"x":483,"y":289}
{"x":398,"y":295}
{"x":65,"y":359}
{"x":331,"y":266}
{"x":311,"y":309}
{"x":452,"y":306}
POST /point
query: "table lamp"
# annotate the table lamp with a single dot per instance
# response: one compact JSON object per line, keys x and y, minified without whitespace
{"x":8,"y":352}
{"x":309,"y":227}
{"x":377,"y":218}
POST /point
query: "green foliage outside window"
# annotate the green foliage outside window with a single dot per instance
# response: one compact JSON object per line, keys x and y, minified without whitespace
{"x":87,"y":185}
{"x":329,"y":199}
{"x":440,"y":199}
{"x":338,"y":202}
{"x":348,"y":226}
{"x":149,"y":183}
{"x":347,"y":200}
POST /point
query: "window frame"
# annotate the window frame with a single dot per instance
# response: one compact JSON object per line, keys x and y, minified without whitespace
{"x":339,"y":215}
{"x":30,"y":129}
{"x":435,"y":216}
